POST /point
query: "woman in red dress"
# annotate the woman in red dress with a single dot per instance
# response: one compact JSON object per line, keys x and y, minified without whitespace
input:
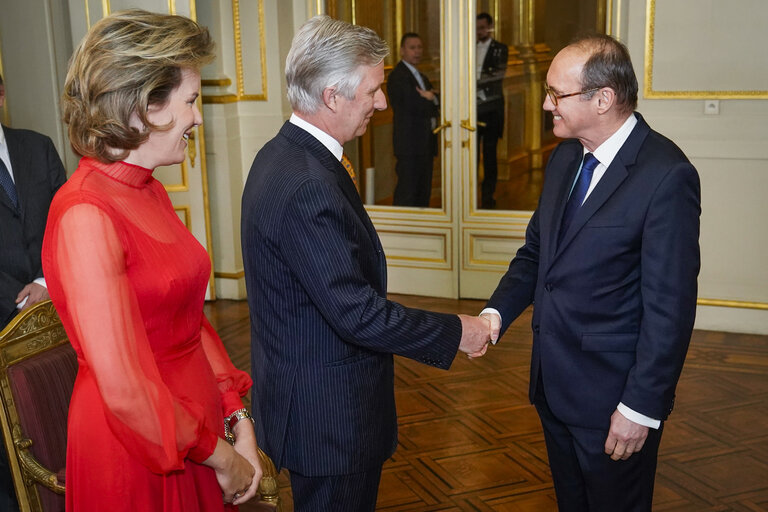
{"x":146,"y":420}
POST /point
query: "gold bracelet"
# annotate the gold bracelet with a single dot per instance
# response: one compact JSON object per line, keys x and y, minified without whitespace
{"x":229,"y":423}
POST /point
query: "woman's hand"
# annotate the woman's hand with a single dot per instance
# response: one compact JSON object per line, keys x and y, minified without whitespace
{"x":245,"y":445}
{"x":233,"y":472}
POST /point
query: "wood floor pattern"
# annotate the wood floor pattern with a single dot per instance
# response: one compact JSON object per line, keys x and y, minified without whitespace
{"x":470,"y":441}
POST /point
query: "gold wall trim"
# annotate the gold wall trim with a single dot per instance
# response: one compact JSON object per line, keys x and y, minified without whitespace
{"x":722,"y":303}
{"x":216,"y":82}
{"x":187,"y":214}
{"x":221,"y":98}
{"x":241,"y":96}
{"x":184,"y":185}
{"x":650,"y":93}
{"x":106,"y":9}
{"x":229,"y":275}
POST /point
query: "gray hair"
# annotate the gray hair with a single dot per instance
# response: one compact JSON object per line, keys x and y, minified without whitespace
{"x":329,"y":53}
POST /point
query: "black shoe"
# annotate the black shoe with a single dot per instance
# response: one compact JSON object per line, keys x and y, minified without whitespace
{"x":488,"y":204}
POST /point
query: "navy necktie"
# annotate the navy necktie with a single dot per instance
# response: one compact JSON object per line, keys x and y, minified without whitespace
{"x":6,"y":182}
{"x":579,"y":191}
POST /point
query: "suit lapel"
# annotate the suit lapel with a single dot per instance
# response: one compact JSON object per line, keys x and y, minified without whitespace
{"x":614,"y":176}
{"x":342,"y":178}
{"x":562,"y":198}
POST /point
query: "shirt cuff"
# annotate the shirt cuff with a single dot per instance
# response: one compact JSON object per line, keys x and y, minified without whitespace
{"x":493,"y":311}
{"x":638,"y":418}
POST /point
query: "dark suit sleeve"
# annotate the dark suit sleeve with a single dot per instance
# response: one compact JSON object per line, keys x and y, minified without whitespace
{"x":325,"y":255}
{"x":516,"y":289}
{"x":56,"y":178}
{"x":670,"y":264}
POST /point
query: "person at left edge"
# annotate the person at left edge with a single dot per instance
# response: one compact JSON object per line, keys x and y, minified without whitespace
{"x":36,"y":173}
{"x":322,"y":330}
{"x":146,"y":425}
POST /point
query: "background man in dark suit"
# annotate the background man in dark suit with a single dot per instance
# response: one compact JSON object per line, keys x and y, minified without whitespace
{"x":323,"y":332}
{"x":30,"y":173}
{"x":613,"y":282}
{"x":491,"y":67}
{"x":415,"y":113}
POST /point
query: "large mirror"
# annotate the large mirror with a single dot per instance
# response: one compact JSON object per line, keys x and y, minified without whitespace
{"x":400,"y":155}
{"x":516,"y":41}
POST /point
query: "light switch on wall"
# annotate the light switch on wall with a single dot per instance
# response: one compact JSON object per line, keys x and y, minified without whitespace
{"x":712,"y":107}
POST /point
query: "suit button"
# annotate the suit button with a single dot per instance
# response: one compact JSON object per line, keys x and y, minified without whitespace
{"x":536,"y":329}
{"x":548,"y":287}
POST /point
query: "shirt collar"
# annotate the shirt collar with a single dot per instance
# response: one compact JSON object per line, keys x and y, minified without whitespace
{"x":484,"y":44}
{"x":409,"y":66}
{"x":326,"y":140}
{"x":2,"y":136}
{"x":608,"y":150}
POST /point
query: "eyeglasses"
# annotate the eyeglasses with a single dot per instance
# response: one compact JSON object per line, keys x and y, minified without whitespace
{"x":555,"y":97}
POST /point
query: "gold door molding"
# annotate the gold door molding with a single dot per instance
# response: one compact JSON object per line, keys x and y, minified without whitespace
{"x":240,"y":63}
{"x":651,"y":33}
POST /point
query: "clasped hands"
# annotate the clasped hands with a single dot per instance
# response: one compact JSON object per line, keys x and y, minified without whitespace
{"x":477,"y":332}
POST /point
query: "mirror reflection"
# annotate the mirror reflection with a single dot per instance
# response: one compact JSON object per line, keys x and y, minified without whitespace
{"x":415,"y":108}
{"x":400,"y":159}
{"x":400,"y":153}
{"x":515,"y":45}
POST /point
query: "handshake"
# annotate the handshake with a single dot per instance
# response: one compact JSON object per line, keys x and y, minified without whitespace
{"x":477,"y":332}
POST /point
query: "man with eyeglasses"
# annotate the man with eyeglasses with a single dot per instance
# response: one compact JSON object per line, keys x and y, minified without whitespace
{"x":610,"y":261}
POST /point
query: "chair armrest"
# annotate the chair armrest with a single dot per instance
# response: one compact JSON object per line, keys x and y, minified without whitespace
{"x":33,"y":470}
{"x":268,"y":487}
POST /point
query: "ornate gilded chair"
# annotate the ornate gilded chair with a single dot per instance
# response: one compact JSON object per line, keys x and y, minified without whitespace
{"x":37,"y":373}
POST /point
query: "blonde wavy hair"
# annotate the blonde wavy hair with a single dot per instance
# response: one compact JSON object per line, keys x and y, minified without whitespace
{"x":126,"y":62}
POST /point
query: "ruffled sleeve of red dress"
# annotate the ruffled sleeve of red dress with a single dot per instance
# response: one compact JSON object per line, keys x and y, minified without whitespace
{"x":85,"y":253}
{"x":232,"y":382}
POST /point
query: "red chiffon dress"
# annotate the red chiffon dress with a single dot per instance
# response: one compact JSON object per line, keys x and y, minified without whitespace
{"x":154,"y":382}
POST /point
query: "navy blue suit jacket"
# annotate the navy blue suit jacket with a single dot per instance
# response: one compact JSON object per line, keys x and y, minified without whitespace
{"x":323,"y":332}
{"x":38,"y":174}
{"x":615,"y":300}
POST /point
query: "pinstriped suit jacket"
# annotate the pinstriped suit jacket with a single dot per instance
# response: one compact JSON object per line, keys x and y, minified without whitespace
{"x":322,"y":331}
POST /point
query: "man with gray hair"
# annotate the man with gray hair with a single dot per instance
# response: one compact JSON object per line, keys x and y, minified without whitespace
{"x":322,"y":330}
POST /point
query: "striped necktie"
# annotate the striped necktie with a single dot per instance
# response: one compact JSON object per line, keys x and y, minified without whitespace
{"x":6,"y":182}
{"x":350,"y":170}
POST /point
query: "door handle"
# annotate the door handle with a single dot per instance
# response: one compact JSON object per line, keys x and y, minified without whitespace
{"x":467,"y":125}
{"x":442,"y":127}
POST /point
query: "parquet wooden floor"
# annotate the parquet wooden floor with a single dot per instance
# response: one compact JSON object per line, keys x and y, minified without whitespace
{"x":470,"y":441}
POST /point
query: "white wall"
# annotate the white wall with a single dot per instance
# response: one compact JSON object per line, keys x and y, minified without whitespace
{"x":36,"y":45}
{"x":730,"y":151}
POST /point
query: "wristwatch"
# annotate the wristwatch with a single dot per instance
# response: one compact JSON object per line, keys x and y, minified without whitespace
{"x":231,"y":420}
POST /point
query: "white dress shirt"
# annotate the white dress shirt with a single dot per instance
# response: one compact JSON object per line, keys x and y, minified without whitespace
{"x":417,"y":75}
{"x":482,"y":51}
